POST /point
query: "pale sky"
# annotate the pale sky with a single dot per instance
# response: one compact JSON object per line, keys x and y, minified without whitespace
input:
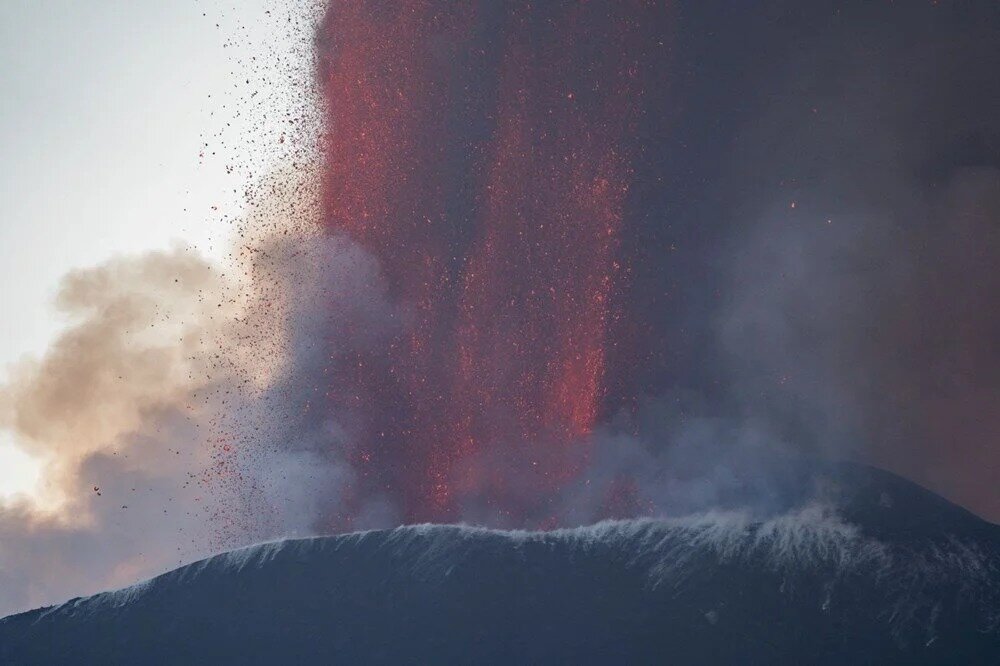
{"x":104,"y":109}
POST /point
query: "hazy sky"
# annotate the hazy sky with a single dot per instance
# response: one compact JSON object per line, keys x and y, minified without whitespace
{"x":105,"y":110}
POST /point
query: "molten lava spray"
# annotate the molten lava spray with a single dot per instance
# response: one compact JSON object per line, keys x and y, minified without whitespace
{"x":481,"y":153}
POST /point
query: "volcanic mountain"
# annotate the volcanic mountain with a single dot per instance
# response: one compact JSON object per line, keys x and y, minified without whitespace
{"x":863,"y":568}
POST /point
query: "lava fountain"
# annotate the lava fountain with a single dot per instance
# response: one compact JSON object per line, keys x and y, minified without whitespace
{"x":481,"y":152}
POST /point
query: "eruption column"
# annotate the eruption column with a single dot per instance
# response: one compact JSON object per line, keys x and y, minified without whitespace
{"x":479,"y":152}
{"x":389,"y":76}
{"x":536,"y":298}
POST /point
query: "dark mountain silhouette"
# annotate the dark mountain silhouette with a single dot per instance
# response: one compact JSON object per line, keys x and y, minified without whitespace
{"x":863,"y":568}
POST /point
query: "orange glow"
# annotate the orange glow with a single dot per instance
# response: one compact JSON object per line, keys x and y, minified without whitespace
{"x":501,"y":247}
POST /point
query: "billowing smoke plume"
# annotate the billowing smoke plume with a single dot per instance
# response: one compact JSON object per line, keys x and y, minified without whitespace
{"x":118,"y":410}
{"x":172,"y":415}
{"x":859,"y":309}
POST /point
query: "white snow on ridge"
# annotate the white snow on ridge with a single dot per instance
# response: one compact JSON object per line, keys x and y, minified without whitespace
{"x":813,"y":538}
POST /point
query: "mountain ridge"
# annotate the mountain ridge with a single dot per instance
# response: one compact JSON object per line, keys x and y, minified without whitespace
{"x":870,"y":569}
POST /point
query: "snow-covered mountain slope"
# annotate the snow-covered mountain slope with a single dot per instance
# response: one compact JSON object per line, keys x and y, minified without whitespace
{"x":875,"y":570}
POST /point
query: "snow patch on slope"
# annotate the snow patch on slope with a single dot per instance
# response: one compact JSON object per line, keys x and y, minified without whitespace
{"x":811,"y":540}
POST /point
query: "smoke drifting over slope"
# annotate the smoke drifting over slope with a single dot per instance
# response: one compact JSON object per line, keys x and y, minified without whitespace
{"x":554,"y":265}
{"x":114,"y":411}
{"x":861,"y":316}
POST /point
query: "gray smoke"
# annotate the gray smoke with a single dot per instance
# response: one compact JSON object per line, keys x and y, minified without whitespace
{"x":859,"y":316}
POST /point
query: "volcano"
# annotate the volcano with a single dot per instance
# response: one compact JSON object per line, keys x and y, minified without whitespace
{"x":863,"y":568}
